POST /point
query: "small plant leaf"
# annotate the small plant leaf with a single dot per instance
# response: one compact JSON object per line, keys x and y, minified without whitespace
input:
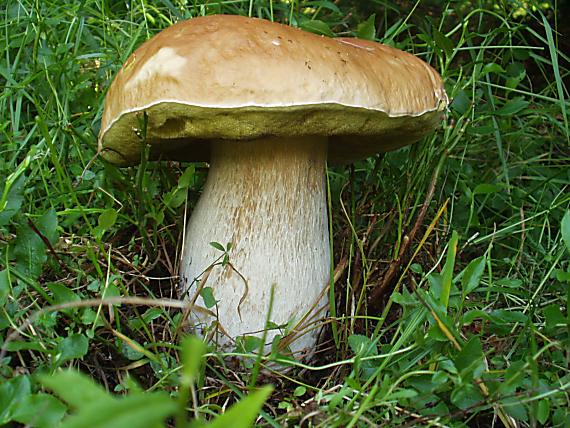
{"x":486,"y":188}
{"x":469,"y":361}
{"x":299,"y":391}
{"x":13,"y":200}
{"x":515,"y":408}
{"x":543,"y":410}
{"x":207,"y":294}
{"x":186,"y":178}
{"x":11,"y":393}
{"x":553,"y":316}
{"x":62,"y":294}
{"x":565,"y":229}
{"x":218,"y":246}
{"x":367,"y":30}
{"x":193,"y":350}
{"x":317,"y":27}
{"x":243,"y":413}
{"x":512,"y":107}
{"x":443,"y":42}
{"x":4,"y":286}
{"x":39,"y":410}
{"x":176,"y":198}
{"x":362,"y":345}
{"x":472,"y":274}
{"x":461,"y":102}
{"x":136,"y":410}
{"x":447,"y":272}
{"x":492,"y":67}
{"x":73,"y":346}
{"x":466,"y":395}
{"x":30,"y":249}
{"x":107,"y":218}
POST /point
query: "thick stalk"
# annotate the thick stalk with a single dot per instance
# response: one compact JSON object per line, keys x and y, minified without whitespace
{"x":267,"y":198}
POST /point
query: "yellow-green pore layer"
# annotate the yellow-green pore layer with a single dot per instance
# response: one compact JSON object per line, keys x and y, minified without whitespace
{"x":178,"y":131}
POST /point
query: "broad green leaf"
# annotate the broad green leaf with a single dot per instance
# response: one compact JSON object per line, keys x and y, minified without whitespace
{"x":486,"y":188}
{"x":402,"y":393}
{"x":75,"y":388}
{"x":362,"y":345}
{"x":469,"y":361}
{"x":466,"y":395}
{"x":543,"y":410}
{"x":193,"y":350}
{"x":107,"y":218}
{"x":461,"y":102}
{"x":15,"y":346}
{"x":131,"y":350}
{"x":367,"y":29}
{"x":61,"y":293}
{"x":243,"y":413}
{"x":73,"y":346}
{"x":472,"y":274}
{"x":509,"y":282}
{"x":513,"y":378}
{"x":176,"y":198}
{"x":498,"y":316}
{"x":515,"y":408}
{"x":565,"y":229}
{"x":553,"y":316}
{"x":248,"y":343}
{"x":299,"y":391}
{"x":563,"y":276}
{"x":436,"y":284}
{"x":440,"y":377}
{"x":503,"y":316}
{"x":317,"y":27}
{"x":137,"y":410}
{"x":440,"y":409}
{"x":30,"y":249}
{"x":11,"y":393}
{"x":447,"y":271}
{"x":4,"y":286}
{"x":404,"y":298}
{"x":40,"y":410}
{"x":218,"y":246}
{"x":443,"y":42}
{"x":186,"y":178}
{"x":479,"y":130}
{"x":149,"y":316}
{"x":47,"y":224}
{"x":207,"y":294}
{"x":492,"y":67}
{"x":512,"y":107}
{"x":14,"y":200}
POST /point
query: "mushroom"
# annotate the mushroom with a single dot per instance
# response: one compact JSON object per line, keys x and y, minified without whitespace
{"x":267,"y":106}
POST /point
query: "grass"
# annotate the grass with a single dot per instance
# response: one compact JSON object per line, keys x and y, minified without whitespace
{"x":452,"y":257}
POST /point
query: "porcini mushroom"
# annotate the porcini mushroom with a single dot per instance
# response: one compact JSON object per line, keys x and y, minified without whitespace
{"x":267,"y":106}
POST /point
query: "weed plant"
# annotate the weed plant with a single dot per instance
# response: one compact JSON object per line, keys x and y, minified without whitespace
{"x":451,"y":257}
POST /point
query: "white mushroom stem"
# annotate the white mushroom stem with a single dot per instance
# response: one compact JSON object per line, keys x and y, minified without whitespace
{"x":267,"y":198}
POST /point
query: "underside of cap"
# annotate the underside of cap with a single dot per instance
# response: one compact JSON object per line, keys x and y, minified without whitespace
{"x":236,"y":78}
{"x":184,"y":132}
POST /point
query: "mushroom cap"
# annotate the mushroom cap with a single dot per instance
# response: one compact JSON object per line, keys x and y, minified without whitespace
{"x":233,"y":77}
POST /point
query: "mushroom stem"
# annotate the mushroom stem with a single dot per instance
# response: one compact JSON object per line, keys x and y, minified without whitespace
{"x":267,"y":198}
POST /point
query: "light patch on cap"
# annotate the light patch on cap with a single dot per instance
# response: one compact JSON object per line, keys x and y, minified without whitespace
{"x":355,"y":45}
{"x":165,"y":63}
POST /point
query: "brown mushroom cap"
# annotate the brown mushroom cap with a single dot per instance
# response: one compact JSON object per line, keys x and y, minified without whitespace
{"x":238,"y":78}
